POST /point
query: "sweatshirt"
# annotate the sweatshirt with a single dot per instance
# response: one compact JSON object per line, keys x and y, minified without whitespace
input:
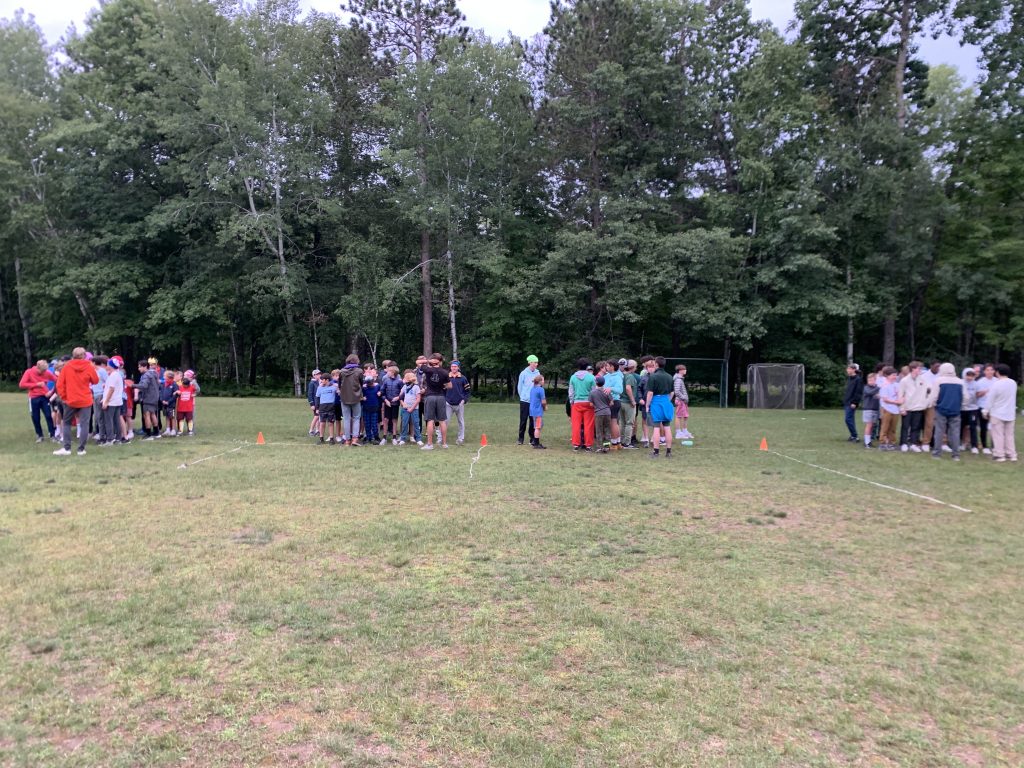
{"x":390,"y":387}
{"x":915,"y":394}
{"x":602,"y":401}
{"x":351,"y":384}
{"x":35,"y":382}
{"x":949,"y":397}
{"x":854,"y":391}
{"x":870,"y":400}
{"x":580,"y":384}
{"x":1002,"y":399}
{"x":75,"y":381}
{"x":525,"y":384}
{"x":148,"y":388}
{"x":459,"y":393}
{"x":679,"y":388}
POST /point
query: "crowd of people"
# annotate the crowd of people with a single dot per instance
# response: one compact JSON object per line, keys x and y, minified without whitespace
{"x":82,"y":395}
{"x":919,"y":409}
{"x":360,"y":404}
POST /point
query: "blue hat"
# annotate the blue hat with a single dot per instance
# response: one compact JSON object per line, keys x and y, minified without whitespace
{"x":455,"y":363}
{"x":112,"y":363}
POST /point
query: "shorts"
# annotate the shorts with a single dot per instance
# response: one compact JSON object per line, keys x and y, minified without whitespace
{"x":616,"y":407}
{"x":327,"y":413}
{"x":682,"y":410}
{"x":869,"y":417}
{"x":150,"y":407}
{"x":185,"y":415}
{"x":436,"y":408}
{"x":661,"y":410}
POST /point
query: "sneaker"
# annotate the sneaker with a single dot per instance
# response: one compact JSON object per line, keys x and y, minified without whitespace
{"x":81,"y":451}
{"x":629,"y":447}
{"x":444,"y":445}
{"x":519,"y":442}
{"x":130,"y":435}
{"x":999,"y":460}
{"x":603,"y":450}
{"x":680,"y":435}
{"x":541,"y":447}
{"x":66,"y":452}
{"x":427,"y":447}
{"x":645,"y":443}
{"x":383,"y":441}
{"x":1014,"y":458}
{"x":987,"y":451}
{"x":654,"y":455}
{"x":149,"y":437}
{"x":39,"y":439}
{"x":400,"y":442}
{"x":946,"y":449}
{"x":459,"y":442}
{"x":107,"y":444}
{"x":419,"y":443}
{"x":936,"y":454}
{"x":687,"y":434}
{"x":191,"y":433}
{"x":588,"y":449}
{"x":915,"y":448}
{"x":577,"y":448}
{"x":852,"y":439}
{"x":905,"y":448}
{"x":395,"y":442}
{"x":956,"y":458}
{"x":974,"y":451}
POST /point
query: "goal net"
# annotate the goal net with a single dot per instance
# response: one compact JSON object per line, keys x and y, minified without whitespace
{"x":775,"y":385}
{"x":706,"y":379}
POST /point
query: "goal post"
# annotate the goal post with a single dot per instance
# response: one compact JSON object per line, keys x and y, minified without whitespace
{"x":707,"y":379}
{"x":778,"y":386}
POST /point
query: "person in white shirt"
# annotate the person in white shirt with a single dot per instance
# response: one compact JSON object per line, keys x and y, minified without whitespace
{"x":928,"y":376}
{"x":1002,"y":414}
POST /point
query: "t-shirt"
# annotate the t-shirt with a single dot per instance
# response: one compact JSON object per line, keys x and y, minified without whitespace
{"x":186,"y":399}
{"x":410,"y":394}
{"x":326,"y":394}
{"x":537,"y":398}
{"x":602,"y":401}
{"x":168,"y":391}
{"x":435,"y":380}
{"x":115,"y":386}
{"x":614,"y":381}
{"x":660,"y":382}
{"x":630,"y":380}
{"x":97,"y":388}
{"x":889,"y":390}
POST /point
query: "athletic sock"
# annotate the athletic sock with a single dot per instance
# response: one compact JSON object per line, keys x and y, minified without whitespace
{"x":654,"y":452}
{"x":668,"y":451}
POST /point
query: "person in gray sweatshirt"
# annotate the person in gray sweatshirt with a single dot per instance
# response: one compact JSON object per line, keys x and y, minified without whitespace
{"x":869,"y":406}
{"x":970,"y":411}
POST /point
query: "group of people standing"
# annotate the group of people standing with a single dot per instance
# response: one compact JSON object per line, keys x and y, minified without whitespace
{"x":934,"y":409}
{"x":85,"y":395}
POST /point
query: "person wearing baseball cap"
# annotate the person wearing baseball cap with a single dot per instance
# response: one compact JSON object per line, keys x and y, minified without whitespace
{"x":524,"y":386}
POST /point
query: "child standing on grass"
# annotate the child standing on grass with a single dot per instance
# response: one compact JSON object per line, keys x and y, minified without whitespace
{"x":682,"y":398}
{"x":371,"y":405}
{"x":869,"y":408}
{"x":186,"y":406}
{"x":169,"y":402}
{"x":325,"y":398}
{"x":890,"y":401}
{"x":391,"y":390}
{"x":970,"y":412}
{"x":538,"y":404}
{"x":311,"y":387}
{"x":659,"y":405}
{"x":410,"y":398}
{"x":601,"y":399}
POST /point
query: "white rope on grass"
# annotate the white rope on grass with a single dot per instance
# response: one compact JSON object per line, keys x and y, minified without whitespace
{"x":475,"y":460}
{"x":188,"y":464}
{"x":872,"y":482}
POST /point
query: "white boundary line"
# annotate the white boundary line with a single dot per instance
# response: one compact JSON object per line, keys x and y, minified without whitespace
{"x":872,"y":482}
{"x":188,"y":464}
{"x":475,"y":460}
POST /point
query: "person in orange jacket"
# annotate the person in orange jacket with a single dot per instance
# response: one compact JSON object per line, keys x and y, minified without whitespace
{"x":34,"y":382}
{"x":74,"y":388}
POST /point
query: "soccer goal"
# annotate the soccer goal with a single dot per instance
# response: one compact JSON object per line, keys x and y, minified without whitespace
{"x":707,"y":379}
{"x":775,"y":385}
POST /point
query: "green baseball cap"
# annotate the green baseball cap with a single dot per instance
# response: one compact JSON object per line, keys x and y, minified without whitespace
{"x":532,"y":359}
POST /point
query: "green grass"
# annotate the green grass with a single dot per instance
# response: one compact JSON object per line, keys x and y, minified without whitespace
{"x":315,"y":606}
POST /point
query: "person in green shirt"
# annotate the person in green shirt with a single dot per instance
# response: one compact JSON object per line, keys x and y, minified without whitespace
{"x":627,"y":413}
{"x":580,"y":384}
{"x":659,"y":404}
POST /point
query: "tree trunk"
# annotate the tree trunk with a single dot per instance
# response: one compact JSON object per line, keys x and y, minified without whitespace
{"x":849,"y":320}
{"x":22,"y":313}
{"x":234,"y":355}
{"x":889,"y":340}
{"x":451,"y":303}
{"x":186,"y":354}
{"x":254,"y":354}
{"x":428,"y":293}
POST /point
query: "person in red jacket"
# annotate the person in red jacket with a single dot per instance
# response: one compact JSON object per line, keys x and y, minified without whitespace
{"x":74,"y":387}
{"x":34,"y":382}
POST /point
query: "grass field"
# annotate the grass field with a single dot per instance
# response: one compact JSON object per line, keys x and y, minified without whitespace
{"x":290,"y":604}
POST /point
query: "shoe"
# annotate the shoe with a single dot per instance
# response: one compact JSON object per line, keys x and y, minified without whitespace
{"x":999,"y":460}
{"x":107,"y":444}
{"x":459,"y":442}
{"x":519,"y":442}
{"x":149,"y":437}
{"x":81,"y":451}
{"x":946,"y":449}
{"x":987,"y":451}
{"x":383,"y":441}
{"x":130,"y":435}
{"x":539,"y":446}
{"x":427,"y":447}
{"x":904,"y":448}
{"x":645,"y":443}
{"x":852,"y":439}
{"x":400,"y":442}
{"x":956,"y":458}
{"x":974,"y":451}
{"x":444,"y":445}
{"x":680,"y":435}
{"x":936,"y":454}
{"x":588,"y":449}
{"x":629,"y":447}
{"x":687,"y":434}
{"x":603,"y":450}
{"x":419,"y":443}
{"x":654,"y":455}
{"x":1014,"y":458}
{"x":577,"y":448}
{"x":664,"y":441}
{"x":394,"y":441}
{"x":39,"y":439}
{"x":915,"y":448}
{"x":66,"y":452}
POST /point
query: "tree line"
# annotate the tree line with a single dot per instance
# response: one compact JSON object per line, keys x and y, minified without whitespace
{"x":258,"y":191}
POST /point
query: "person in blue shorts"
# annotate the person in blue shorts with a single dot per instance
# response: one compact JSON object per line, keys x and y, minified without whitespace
{"x":659,"y":404}
{"x":538,"y":404}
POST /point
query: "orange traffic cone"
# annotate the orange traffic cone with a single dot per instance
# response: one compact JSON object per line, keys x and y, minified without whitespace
{"x":261,"y":441}
{"x":764,"y":443}
{"x":483,"y":440}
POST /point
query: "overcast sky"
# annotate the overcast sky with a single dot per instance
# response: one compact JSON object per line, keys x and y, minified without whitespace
{"x":523,"y":18}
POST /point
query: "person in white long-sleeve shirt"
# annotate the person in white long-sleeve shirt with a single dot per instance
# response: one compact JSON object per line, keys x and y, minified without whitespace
{"x":1002,"y":414}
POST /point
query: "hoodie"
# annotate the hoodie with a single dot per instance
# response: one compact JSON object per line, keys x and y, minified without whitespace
{"x":854,"y":390}
{"x":35,"y":382}
{"x":148,"y":388}
{"x":949,"y":395}
{"x":75,"y":382}
{"x":915,"y":394}
{"x":351,"y":384}
{"x":970,"y":392}
{"x":580,"y":384}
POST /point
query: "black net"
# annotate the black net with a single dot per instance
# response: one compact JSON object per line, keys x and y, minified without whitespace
{"x":776,"y":386}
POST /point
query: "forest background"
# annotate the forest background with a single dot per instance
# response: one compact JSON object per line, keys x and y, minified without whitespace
{"x":253,"y":190}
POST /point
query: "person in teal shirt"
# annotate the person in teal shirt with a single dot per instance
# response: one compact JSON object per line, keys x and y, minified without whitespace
{"x":614,"y":380}
{"x":580,"y":384}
